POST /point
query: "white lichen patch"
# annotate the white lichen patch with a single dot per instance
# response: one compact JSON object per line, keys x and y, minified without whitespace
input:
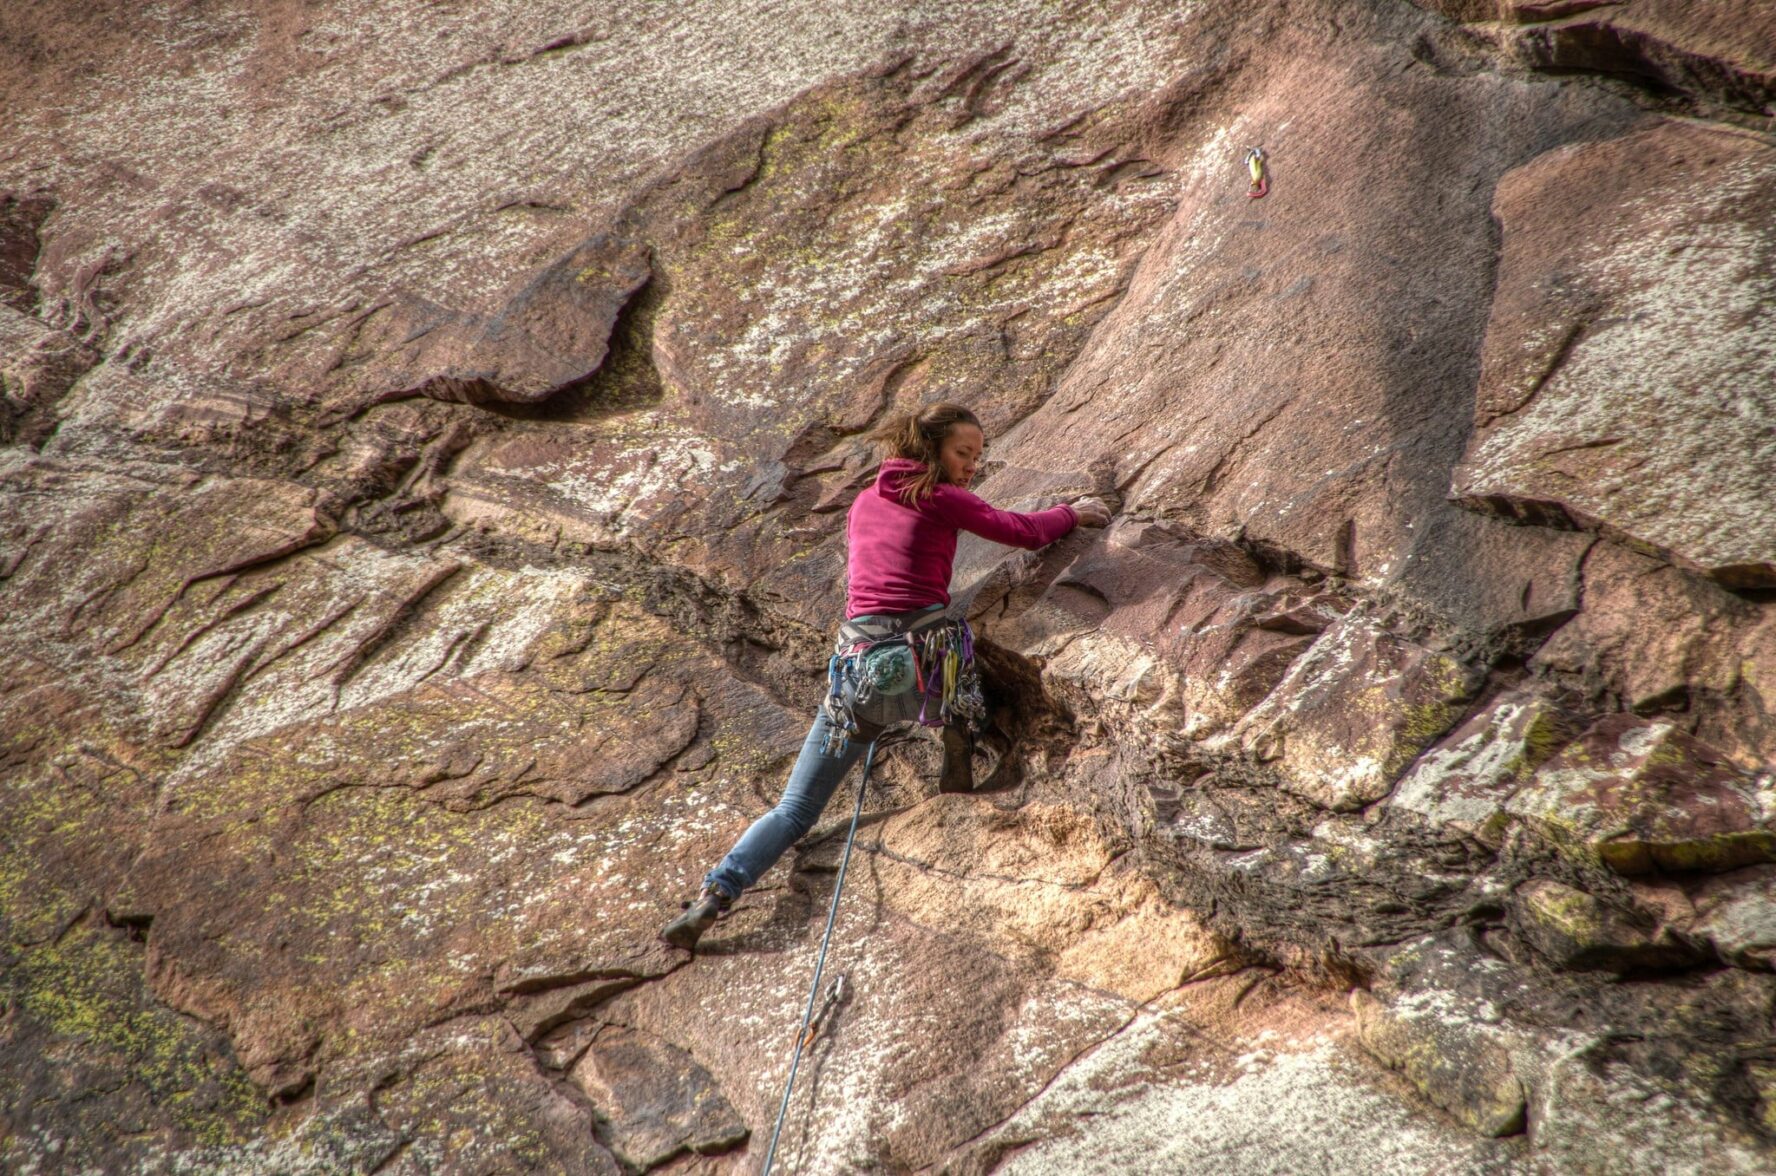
{"x":602,"y":487}
{"x":1351,"y":712}
{"x":1611,"y":1119}
{"x":674,"y":464}
{"x":1112,"y":669}
{"x":1465,"y":782}
{"x":228,"y":166}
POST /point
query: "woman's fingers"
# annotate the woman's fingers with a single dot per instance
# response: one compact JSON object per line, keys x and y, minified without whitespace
{"x":1091,"y":511}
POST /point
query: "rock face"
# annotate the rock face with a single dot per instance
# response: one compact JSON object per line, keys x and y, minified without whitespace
{"x":1620,"y":385}
{"x":425,"y":440}
{"x":1718,"y":56}
{"x":1639,"y":796}
{"x":1354,"y":711}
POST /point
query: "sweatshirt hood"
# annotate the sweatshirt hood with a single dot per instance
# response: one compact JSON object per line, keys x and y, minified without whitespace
{"x":895,"y":473}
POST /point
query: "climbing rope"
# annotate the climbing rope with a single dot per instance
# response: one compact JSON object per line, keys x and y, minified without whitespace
{"x":808,"y":1032}
{"x":1255,"y":158}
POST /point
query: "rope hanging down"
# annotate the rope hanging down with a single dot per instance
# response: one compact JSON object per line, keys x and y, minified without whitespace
{"x":803,"y":1036}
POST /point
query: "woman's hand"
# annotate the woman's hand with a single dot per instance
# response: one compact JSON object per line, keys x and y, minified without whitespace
{"x":1091,"y":511}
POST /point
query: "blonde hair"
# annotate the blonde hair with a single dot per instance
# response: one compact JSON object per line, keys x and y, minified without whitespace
{"x":917,"y":436}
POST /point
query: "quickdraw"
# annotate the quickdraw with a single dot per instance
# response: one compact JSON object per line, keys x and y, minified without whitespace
{"x":1255,"y":158}
{"x":943,"y":662}
{"x":839,"y":670}
{"x":837,"y":993}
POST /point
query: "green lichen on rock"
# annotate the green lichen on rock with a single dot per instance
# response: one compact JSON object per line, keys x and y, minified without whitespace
{"x":1355,"y":711}
{"x":1638,"y":796}
{"x":1727,"y":851}
{"x":1576,"y":930}
{"x":1762,"y":1075}
{"x":1464,"y":782}
{"x":82,"y":999}
{"x":1450,"y":1056}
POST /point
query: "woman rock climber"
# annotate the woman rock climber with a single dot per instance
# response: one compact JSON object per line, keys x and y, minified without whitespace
{"x":899,"y":657}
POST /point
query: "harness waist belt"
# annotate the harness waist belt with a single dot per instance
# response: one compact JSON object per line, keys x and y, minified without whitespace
{"x":868,"y":630}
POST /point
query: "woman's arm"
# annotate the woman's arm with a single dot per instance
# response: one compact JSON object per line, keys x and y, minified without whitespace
{"x":967,"y":511}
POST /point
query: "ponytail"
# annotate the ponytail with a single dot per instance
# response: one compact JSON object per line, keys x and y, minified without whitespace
{"x":917,"y":436}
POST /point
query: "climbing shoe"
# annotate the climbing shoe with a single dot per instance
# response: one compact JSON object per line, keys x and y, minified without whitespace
{"x":957,"y":774}
{"x":698,"y":917}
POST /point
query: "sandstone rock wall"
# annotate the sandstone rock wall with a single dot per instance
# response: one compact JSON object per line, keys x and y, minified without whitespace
{"x":425,"y":436}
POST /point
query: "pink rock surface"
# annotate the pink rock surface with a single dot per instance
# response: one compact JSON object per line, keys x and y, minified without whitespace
{"x":1719,"y":55}
{"x":1641,"y":796}
{"x":1619,"y":386}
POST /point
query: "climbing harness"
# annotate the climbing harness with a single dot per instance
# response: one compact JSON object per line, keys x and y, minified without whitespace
{"x":1255,"y":158}
{"x":837,"y":995}
{"x":887,"y":656}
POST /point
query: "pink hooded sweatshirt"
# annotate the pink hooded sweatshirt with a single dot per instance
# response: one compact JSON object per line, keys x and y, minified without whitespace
{"x":901,"y":555}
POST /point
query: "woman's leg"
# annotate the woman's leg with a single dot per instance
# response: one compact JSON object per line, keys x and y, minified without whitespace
{"x":816,"y":774}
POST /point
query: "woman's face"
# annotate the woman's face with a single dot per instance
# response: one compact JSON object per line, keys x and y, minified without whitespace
{"x":960,"y":453}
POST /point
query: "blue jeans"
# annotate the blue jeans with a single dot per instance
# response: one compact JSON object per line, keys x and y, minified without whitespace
{"x":812,"y":781}
{"x":811,"y":784}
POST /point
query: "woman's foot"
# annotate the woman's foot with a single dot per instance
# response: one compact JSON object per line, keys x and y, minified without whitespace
{"x":698,"y":917}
